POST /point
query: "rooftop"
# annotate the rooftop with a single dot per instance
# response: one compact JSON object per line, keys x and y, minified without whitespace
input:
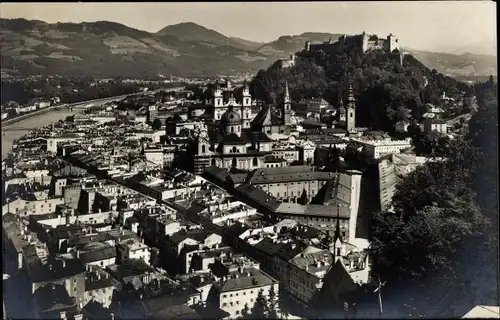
{"x":249,"y":278}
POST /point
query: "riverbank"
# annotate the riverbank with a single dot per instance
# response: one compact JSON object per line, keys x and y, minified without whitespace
{"x":22,"y":127}
{"x":32,"y":114}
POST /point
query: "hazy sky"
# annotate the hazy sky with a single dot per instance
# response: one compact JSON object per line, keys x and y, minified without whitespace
{"x":418,"y":24}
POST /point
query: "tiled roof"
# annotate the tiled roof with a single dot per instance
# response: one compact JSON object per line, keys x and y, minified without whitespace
{"x":255,"y":279}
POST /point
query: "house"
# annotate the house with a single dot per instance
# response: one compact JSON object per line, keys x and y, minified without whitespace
{"x":240,"y":289}
{"x":99,"y":287}
{"x":52,"y":301}
{"x":435,"y":125}
{"x":134,"y":249}
{"x":97,"y":254}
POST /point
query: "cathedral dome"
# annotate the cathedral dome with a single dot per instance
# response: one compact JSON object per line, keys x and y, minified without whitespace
{"x":230,"y":117}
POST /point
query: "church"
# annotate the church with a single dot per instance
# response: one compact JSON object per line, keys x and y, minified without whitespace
{"x":217,"y":99}
{"x":269,"y":123}
{"x":234,"y":139}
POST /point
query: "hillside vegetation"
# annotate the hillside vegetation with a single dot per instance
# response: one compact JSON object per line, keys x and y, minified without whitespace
{"x":385,"y":91}
{"x":109,"y":49}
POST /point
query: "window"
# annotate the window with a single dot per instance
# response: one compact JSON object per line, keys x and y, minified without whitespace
{"x":224,"y":305}
{"x":203,"y":149}
{"x":232,"y":129}
{"x":237,"y":311}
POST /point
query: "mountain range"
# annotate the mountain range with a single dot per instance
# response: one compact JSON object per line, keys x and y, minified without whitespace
{"x":107,"y":49}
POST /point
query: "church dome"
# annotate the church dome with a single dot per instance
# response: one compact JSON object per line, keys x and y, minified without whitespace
{"x":230,"y":117}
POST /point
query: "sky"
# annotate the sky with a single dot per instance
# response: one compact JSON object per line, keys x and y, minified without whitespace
{"x":424,"y":25}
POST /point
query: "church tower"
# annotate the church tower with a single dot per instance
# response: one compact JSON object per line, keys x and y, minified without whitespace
{"x":218,"y":102}
{"x":341,"y":110}
{"x":246,"y":109}
{"x":152,"y":113}
{"x":351,"y":111}
{"x":287,"y":106}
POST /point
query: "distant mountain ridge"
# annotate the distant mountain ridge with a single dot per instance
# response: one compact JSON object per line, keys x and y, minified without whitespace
{"x":106,"y":49}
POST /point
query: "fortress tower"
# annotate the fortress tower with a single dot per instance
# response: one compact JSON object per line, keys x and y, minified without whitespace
{"x":364,"y":42}
{"x":392,"y":42}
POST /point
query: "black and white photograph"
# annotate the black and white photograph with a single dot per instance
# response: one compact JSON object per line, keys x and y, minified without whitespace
{"x":249,"y":160}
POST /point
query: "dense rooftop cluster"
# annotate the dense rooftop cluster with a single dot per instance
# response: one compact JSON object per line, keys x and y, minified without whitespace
{"x":219,"y":203}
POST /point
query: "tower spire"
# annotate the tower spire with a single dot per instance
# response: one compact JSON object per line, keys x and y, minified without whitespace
{"x":351,"y":93}
{"x":337,"y":235}
{"x":287,"y":93}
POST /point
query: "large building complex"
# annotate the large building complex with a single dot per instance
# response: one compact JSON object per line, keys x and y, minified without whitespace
{"x":364,"y":41}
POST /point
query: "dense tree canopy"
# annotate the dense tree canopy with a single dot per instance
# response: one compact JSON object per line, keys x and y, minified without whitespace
{"x":439,"y":205}
{"x":434,"y":210}
{"x":385,"y":91}
{"x":483,"y":133}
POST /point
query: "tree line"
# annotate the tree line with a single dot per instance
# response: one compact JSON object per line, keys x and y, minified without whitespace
{"x":386,"y":92}
{"x":441,"y":205}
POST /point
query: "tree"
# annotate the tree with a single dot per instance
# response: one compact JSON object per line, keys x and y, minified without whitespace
{"x":303,"y":197}
{"x":435,"y":210}
{"x":245,"y":313}
{"x":334,"y":163}
{"x":156,"y":124}
{"x":272,"y":304}
{"x":259,"y":310}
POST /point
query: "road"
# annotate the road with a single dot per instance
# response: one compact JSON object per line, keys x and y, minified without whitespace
{"x":455,"y":120}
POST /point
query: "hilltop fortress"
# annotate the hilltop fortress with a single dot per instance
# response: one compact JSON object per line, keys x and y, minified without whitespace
{"x":364,"y":41}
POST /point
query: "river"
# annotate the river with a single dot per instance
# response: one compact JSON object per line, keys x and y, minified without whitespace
{"x":41,"y":120}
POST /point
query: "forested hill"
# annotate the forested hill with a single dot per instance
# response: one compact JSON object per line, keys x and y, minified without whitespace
{"x":386,"y":92}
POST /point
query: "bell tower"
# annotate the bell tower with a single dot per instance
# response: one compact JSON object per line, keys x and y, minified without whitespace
{"x":287,"y":106}
{"x":351,"y":111}
{"x":152,"y":113}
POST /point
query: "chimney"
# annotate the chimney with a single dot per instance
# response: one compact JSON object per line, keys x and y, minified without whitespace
{"x":318,"y":264}
{"x":63,"y":263}
{"x":78,"y":253}
{"x":112,"y":316}
{"x":98,"y":276}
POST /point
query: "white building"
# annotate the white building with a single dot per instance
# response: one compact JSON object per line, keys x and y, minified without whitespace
{"x":378,"y":148}
{"x":241,"y":288}
{"x":434,"y":125}
{"x":134,"y":249}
